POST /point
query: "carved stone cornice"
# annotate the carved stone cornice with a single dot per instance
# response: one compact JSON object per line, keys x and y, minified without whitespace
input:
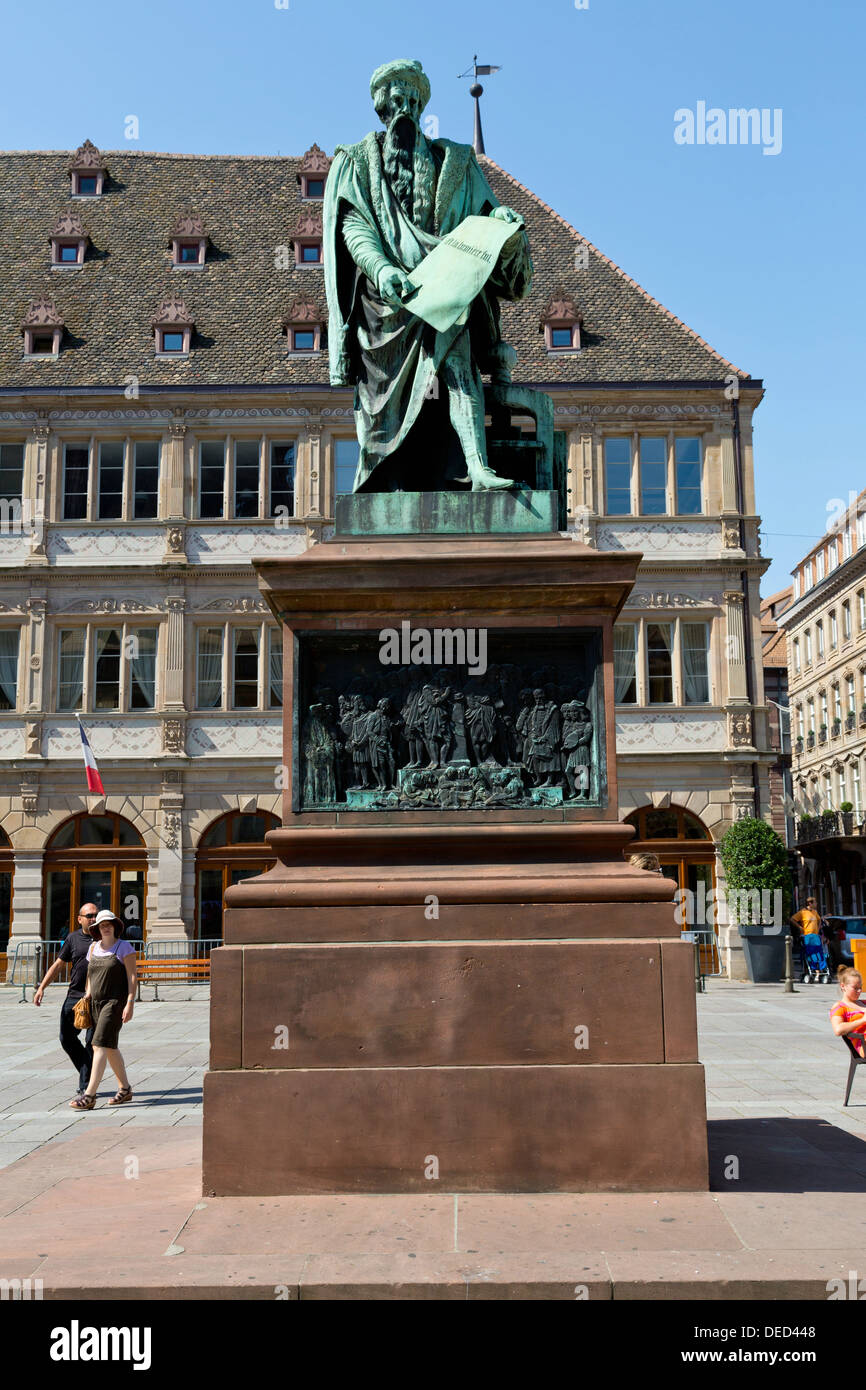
{"x":86,"y":157}
{"x":68,"y":224}
{"x":561,"y":308}
{"x":309,"y":224}
{"x":42,"y":313}
{"x":172,"y":313}
{"x":315,"y":162}
{"x":650,"y":410}
{"x":188,"y":224}
{"x":303,"y":311}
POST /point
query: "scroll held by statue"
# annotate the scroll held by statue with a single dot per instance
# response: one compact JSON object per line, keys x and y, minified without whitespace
{"x":455,"y":271}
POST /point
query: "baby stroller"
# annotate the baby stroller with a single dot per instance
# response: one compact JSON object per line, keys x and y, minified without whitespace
{"x":813,"y":957}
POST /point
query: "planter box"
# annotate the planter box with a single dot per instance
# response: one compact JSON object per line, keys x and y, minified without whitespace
{"x":764,"y":950}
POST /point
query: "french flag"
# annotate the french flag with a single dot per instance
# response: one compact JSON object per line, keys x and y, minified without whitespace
{"x":94,"y":781}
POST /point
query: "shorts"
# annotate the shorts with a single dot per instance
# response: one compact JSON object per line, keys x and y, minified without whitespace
{"x":107,"y":1022}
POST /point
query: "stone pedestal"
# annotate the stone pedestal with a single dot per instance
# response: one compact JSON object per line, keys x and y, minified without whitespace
{"x":477,"y":999}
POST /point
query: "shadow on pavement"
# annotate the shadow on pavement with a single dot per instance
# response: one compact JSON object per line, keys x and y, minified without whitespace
{"x":784,"y":1155}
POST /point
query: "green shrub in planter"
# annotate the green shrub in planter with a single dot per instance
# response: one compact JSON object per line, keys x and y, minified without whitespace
{"x":756,"y":868}
{"x":846,"y":806}
{"x":755,"y":859}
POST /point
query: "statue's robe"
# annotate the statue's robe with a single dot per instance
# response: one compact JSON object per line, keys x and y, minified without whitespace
{"x":389,"y":355}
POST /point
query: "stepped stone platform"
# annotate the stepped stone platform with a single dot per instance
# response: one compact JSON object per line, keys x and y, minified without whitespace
{"x":781,"y":1232}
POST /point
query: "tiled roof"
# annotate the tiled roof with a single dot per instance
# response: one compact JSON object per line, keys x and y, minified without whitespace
{"x":250,"y":207}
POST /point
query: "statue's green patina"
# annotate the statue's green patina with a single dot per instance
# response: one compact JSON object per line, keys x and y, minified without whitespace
{"x":389,"y":200}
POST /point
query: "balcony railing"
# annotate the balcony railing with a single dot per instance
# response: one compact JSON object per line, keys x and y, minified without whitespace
{"x":828,"y":826}
{"x":810,"y":739}
{"x":850,"y":721}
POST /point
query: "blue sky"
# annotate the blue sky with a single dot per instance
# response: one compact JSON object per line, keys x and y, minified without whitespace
{"x":760,"y":254}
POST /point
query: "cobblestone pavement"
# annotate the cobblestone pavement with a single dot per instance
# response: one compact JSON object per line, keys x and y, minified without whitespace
{"x":767,"y":1054}
{"x":165,"y":1049}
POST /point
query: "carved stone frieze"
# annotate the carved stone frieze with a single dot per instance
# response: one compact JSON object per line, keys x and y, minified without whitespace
{"x":249,"y":603}
{"x":173,"y":736}
{"x":739,"y":728}
{"x":109,"y":605}
{"x":666,"y":599}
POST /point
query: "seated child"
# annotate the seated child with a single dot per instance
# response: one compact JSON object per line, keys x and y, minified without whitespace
{"x":848,"y":1017}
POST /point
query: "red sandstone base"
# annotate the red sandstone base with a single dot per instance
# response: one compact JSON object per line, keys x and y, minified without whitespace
{"x":475,"y":1000}
{"x":559,"y":1054}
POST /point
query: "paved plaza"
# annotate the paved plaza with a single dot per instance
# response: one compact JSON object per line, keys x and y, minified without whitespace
{"x":165,"y":1049}
{"x":783,"y":1217}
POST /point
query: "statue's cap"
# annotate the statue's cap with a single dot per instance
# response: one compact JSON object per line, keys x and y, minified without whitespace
{"x":407,"y":68}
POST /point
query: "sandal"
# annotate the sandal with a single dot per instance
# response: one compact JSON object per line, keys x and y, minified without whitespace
{"x":82,"y":1102}
{"x":123,"y":1095}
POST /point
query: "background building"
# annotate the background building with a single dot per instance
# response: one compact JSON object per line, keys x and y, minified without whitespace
{"x":826,"y":633}
{"x":774,"y":658}
{"x":165,"y":415}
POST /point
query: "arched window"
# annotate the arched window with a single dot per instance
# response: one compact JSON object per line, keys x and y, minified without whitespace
{"x":668,"y":823}
{"x":687,"y":855}
{"x":6,"y":866}
{"x":94,"y":859}
{"x":231,"y":849}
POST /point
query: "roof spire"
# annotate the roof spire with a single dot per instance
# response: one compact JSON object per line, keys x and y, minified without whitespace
{"x":477,"y":91}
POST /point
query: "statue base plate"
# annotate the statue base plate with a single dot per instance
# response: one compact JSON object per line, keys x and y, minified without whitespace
{"x":518,"y":511}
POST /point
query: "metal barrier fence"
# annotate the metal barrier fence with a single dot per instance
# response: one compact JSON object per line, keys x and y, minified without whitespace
{"x":708,"y":960}
{"x":31,"y":959}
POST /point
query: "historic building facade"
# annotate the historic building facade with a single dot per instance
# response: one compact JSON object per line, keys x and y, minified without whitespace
{"x":165,"y":416}
{"x":826,"y":635}
{"x":774,"y":658}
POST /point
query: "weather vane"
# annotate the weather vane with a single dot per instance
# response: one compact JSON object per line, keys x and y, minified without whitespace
{"x":476,"y":90}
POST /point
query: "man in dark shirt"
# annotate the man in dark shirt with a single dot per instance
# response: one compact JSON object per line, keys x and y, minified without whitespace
{"x":74,"y":949}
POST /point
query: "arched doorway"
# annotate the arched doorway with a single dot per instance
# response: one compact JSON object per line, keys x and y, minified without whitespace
{"x":6,"y":870}
{"x":687,"y":854}
{"x":232,"y":848}
{"x":94,"y":859}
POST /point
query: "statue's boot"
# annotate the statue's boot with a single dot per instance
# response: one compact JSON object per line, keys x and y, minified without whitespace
{"x":484,"y":479}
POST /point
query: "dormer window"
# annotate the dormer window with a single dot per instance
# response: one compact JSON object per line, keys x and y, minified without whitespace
{"x":561,"y":324}
{"x":312,"y":174}
{"x":188,"y":242}
{"x":308,"y":240}
{"x":173,"y":326}
{"x":42,"y":329}
{"x":87,"y":171}
{"x":303,"y":327}
{"x":68,"y":241}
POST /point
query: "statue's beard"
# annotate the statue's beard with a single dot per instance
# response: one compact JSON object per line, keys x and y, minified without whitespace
{"x":410,"y":169}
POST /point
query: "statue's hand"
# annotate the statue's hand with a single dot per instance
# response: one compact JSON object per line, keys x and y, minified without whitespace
{"x":393,"y":284}
{"x":506,"y":215}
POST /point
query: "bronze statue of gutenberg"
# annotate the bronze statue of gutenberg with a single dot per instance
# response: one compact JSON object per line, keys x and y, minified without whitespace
{"x":389,"y":200}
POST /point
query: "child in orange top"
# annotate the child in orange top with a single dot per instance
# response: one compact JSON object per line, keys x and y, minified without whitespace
{"x":848,"y":1016}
